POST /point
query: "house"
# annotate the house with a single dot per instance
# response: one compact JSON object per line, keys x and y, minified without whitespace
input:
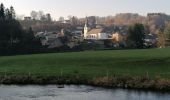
{"x":150,"y":40}
{"x":50,"y":39}
{"x":78,"y":31}
{"x":27,"y":18}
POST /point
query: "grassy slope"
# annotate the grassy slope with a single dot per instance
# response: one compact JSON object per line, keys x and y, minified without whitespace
{"x":91,"y":63}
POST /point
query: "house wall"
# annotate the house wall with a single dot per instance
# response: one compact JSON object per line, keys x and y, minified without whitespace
{"x":103,"y":36}
{"x":92,"y":36}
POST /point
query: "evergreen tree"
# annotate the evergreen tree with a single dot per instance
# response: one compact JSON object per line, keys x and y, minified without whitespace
{"x":2,"y":25}
{"x":7,"y":14}
{"x":12,"y":12}
{"x":12,"y":37}
{"x":2,"y":12}
{"x":136,"y":35}
{"x":10,"y":29}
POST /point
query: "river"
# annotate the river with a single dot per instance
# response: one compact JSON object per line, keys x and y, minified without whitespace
{"x":72,"y":92}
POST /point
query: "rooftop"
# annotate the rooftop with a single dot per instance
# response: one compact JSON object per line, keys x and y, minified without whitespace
{"x":95,"y":31}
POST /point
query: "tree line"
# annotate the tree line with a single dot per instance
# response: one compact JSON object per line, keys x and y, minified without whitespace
{"x":13,"y":38}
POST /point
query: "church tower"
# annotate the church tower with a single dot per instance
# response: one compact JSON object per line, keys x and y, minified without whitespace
{"x":85,"y":29}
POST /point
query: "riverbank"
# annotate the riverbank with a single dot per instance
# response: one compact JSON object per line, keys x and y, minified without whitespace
{"x":158,"y":84}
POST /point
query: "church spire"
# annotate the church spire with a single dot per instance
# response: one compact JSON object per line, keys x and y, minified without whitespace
{"x":86,"y":21}
{"x":85,"y":29}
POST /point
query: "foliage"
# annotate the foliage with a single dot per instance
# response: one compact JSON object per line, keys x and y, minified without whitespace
{"x":12,"y":36}
{"x":161,"y":39}
{"x":136,"y":35}
{"x":167,"y":32}
{"x":10,"y":29}
{"x":39,"y":15}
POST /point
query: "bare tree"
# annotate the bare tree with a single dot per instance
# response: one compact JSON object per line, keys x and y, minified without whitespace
{"x":69,"y":17}
{"x":49,"y":19}
{"x":41,"y":15}
{"x":161,"y":39}
{"x":61,"y":19}
{"x":34,"y":15}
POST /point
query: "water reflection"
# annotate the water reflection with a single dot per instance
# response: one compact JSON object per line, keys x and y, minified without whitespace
{"x":51,"y":92}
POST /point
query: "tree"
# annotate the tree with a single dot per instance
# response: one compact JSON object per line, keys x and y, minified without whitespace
{"x":29,"y":35}
{"x":12,"y":12}
{"x":161,"y":39}
{"x":10,"y":29}
{"x":12,"y":36}
{"x":7,"y":14}
{"x":43,"y":18}
{"x":34,"y":15}
{"x":69,"y":17}
{"x":41,"y":15}
{"x":2,"y":12}
{"x":61,"y":19}
{"x":167,"y":35}
{"x":136,"y":35}
{"x":49,"y":19}
{"x":74,"y":20}
{"x":167,"y":32}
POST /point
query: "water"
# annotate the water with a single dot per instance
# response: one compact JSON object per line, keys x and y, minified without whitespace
{"x":51,"y":92}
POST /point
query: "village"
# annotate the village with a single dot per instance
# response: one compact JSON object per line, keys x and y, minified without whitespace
{"x":91,"y":35}
{"x":84,"y":50}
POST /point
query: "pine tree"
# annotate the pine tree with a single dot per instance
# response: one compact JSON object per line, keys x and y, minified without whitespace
{"x":136,"y":35}
{"x":2,"y":12}
{"x":12,"y":12}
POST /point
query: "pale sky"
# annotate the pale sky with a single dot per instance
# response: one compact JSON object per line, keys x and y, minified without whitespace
{"x":82,"y":8}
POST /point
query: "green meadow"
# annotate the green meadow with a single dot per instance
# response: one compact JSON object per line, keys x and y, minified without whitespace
{"x":151,"y":62}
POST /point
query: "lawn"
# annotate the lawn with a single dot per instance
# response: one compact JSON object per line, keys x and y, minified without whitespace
{"x":154,"y":62}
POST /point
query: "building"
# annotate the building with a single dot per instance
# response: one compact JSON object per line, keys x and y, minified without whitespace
{"x":95,"y":34}
{"x":78,"y":31}
{"x":27,"y":18}
{"x":150,"y":40}
{"x":91,"y":21}
{"x":156,"y":14}
{"x":50,"y":39}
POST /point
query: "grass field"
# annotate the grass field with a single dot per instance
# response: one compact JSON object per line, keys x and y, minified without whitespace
{"x":155,"y":62}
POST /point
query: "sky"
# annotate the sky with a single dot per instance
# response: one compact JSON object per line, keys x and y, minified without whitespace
{"x":82,"y":8}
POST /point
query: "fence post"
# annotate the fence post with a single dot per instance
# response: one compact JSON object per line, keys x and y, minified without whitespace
{"x":147,"y":74}
{"x":107,"y":76}
{"x":29,"y":74}
{"x":5,"y":73}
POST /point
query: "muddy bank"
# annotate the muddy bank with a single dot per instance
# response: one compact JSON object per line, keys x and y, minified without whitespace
{"x":111,"y":82}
